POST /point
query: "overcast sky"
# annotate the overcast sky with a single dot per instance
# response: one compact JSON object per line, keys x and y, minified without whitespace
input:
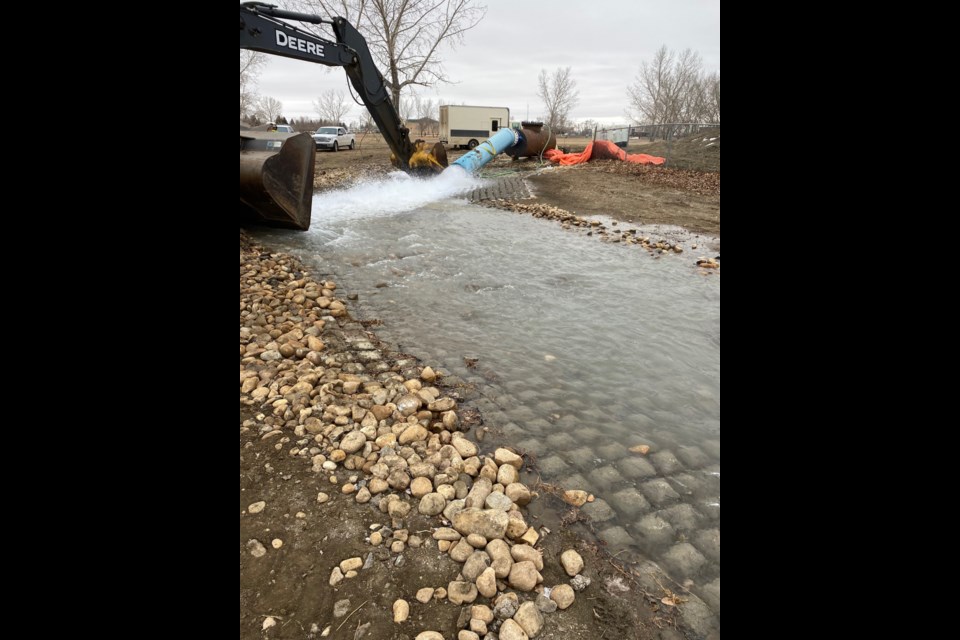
{"x":602,"y":41}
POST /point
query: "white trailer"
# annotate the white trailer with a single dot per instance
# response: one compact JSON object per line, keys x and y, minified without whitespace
{"x":468,"y":126}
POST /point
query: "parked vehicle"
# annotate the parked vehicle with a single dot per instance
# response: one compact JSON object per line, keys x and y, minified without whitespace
{"x":333,"y":138}
{"x":462,"y":125}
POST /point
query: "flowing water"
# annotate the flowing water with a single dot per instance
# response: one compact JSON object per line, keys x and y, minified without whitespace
{"x":581,"y":349}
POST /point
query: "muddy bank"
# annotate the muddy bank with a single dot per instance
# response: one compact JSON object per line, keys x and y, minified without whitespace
{"x":354,"y":463}
{"x":636,"y":194}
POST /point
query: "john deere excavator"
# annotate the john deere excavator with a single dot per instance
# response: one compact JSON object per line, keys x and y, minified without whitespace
{"x":276,"y":170}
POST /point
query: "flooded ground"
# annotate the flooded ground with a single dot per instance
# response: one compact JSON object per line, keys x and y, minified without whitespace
{"x":579,"y":350}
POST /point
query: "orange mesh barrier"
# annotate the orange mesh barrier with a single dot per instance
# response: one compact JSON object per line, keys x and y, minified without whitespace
{"x":600,"y":150}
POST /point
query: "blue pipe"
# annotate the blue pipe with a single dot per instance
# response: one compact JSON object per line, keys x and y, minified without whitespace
{"x":484,"y":152}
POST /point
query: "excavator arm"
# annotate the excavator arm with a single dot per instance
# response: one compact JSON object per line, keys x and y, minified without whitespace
{"x":262,"y":30}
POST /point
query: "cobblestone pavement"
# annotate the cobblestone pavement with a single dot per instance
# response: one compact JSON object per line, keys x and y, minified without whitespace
{"x":506,"y":188}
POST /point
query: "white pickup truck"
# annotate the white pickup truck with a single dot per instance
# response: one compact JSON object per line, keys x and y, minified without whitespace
{"x":333,"y":138}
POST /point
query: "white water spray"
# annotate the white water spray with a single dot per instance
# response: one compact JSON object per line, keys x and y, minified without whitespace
{"x":396,"y":193}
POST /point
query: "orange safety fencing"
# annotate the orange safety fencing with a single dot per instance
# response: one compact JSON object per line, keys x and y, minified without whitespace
{"x":600,"y":150}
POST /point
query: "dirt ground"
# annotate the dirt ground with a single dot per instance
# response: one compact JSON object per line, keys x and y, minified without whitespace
{"x":639,"y":194}
{"x":290,"y":584}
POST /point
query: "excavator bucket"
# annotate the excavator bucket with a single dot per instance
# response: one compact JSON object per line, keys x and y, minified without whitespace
{"x":276,"y":178}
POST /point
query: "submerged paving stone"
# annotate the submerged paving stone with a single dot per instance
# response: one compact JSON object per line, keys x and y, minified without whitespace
{"x":683,"y":560}
{"x":539,"y":426}
{"x":697,"y":616}
{"x":708,"y":543}
{"x":616,"y":537}
{"x":654,"y":530}
{"x":598,"y":510}
{"x":710,"y":593}
{"x":587,"y":435}
{"x":693,"y":457}
{"x":549,"y":406}
{"x":570,"y":423}
{"x":683,"y":517}
{"x":659,"y":492}
{"x":532,"y":445}
{"x":687,"y":485}
{"x":553,"y":466}
{"x":635,"y":468}
{"x":607,"y":476}
{"x":521,"y":414}
{"x":576,"y":481}
{"x":711,"y":508}
{"x":710,"y":477}
{"x":561,"y":441}
{"x":711,"y":448}
{"x":512,"y":432}
{"x":630,"y":502}
{"x":528,"y":395}
{"x":612,"y":451}
{"x":666,"y":462}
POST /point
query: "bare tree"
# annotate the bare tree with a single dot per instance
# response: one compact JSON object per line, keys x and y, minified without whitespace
{"x":713,"y":97}
{"x":559,"y":94}
{"x":366,"y":123}
{"x":332,"y":106}
{"x":426,"y":112}
{"x":251,"y":64}
{"x":673,"y":88}
{"x":406,"y":36}
{"x":587,"y":127}
{"x":269,"y":109}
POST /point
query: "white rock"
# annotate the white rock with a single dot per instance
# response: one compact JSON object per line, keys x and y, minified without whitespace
{"x":481,"y":612}
{"x":505,"y":456}
{"x":256,"y":548}
{"x":530,"y":618}
{"x":521,"y":552}
{"x":563,"y":595}
{"x":432,"y":504}
{"x":424,"y":595}
{"x":572,"y":562}
{"x":401,"y":610}
{"x":523,"y":576}
{"x":487,"y":583}
{"x":256,"y":507}
{"x":351,"y":564}
{"x":464,"y":447}
{"x":510,"y":630}
{"x":487,"y":523}
{"x":498,"y":501}
{"x":459,"y":592}
{"x":353,"y":442}
{"x":507,"y":475}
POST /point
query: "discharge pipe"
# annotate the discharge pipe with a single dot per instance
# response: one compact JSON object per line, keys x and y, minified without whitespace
{"x":484,"y":152}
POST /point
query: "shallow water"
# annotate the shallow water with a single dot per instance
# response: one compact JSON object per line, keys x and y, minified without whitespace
{"x":581,"y":349}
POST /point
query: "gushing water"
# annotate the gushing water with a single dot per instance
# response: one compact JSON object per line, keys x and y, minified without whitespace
{"x":396,"y":193}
